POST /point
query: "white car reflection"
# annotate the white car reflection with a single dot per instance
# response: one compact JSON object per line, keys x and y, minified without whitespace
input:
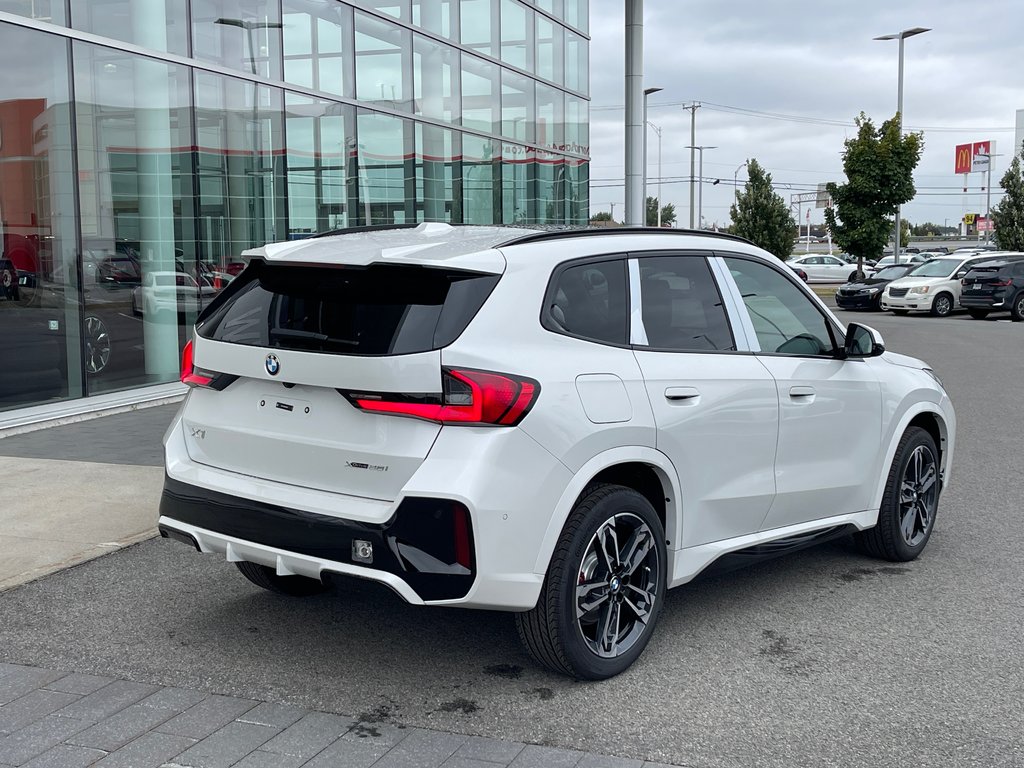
{"x":170,"y":293}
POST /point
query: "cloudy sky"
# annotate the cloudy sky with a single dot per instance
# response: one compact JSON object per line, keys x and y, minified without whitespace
{"x":812,"y":66}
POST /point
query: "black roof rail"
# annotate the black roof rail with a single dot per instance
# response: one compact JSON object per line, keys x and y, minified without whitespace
{"x":566,"y":233}
{"x":366,"y":228}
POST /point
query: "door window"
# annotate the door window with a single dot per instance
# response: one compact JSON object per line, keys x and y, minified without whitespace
{"x":785,"y":319}
{"x":682,"y":309}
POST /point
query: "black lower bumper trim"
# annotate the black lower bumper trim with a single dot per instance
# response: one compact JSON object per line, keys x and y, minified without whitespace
{"x":416,"y":544}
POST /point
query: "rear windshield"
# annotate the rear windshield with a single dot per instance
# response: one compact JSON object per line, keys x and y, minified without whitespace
{"x":376,"y":310}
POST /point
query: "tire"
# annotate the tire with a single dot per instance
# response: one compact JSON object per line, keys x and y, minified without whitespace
{"x":942,"y":305}
{"x":97,"y":345}
{"x":900,"y":312}
{"x":566,"y":641}
{"x":1017,"y":308}
{"x":854,"y":276}
{"x":8,"y":283}
{"x":977,"y":314}
{"x":889,"y":539}
{"x":293,"y":586}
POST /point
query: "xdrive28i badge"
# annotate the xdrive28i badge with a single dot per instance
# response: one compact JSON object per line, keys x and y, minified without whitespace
{"x":273,"y":365}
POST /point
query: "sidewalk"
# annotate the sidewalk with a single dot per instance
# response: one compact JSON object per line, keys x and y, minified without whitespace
{"x":87,"y":489}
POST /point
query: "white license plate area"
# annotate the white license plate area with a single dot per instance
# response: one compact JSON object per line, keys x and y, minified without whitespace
{"x":282,"y":407}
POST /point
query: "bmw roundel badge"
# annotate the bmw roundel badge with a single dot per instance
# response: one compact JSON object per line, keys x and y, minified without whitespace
{"x":273,"y":365}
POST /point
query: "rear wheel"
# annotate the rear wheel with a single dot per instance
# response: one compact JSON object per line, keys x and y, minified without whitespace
{"x":942,"y":305}
{"x":977,"y":314}
{"x":1017,"y":308}
{"x":911,"y":499}
{"x":267,"y":578}
{"x":604,"y":588}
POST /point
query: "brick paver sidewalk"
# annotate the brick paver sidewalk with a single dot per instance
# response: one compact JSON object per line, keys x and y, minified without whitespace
{"x":51,"y":719}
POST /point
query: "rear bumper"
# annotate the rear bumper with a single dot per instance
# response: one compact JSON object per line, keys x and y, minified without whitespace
{"x":983,"y":302}
{"x":411,"y":552}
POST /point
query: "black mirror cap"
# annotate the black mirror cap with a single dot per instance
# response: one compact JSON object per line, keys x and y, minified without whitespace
{"x":862,"y":341}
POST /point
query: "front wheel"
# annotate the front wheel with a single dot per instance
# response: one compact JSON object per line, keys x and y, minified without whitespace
{"x":910,"y":501}
{"x":942,"y":305}
{"x":978,"y":314}
{"x":293,"y":586}
{"x":604,"y":588}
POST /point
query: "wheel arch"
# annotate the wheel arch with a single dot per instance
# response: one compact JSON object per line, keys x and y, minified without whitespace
{"x":647,"y":471}
{"x":929,"y":417}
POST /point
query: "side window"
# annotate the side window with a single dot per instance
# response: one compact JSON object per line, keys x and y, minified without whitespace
{"x":815,"y":260}
{"x":681,"y":307}
{"x":785,"y":320}
{"x":590,"y":300}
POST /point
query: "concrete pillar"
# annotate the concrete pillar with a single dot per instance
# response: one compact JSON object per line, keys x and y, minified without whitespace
{"x":634,"y":113}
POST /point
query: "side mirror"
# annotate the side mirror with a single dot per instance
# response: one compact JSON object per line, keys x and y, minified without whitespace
{"x":961,"y":274}
{"x":862,"y":341}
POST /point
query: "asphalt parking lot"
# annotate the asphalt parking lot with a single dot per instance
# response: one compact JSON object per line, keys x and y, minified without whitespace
{"x":820,"y":658}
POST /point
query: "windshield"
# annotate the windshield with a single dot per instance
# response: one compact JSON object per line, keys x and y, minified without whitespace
{"x":891,"y":273}
{"x":936,"y":268}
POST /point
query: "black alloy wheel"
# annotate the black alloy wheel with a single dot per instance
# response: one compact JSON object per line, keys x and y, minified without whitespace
{"x":97,"y":345}
{"x":907,"y":514}
{"x":604,"y":589}
{"x":942,"y":305}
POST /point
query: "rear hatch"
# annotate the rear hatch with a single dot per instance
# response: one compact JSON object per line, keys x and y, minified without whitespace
{"x":282,"y":349}
{"x":983,"y":282}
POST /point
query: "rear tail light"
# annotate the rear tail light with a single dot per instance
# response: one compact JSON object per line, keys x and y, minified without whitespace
{"x":1003,"y":283}
{"x":200,"y":377}
{"x":469,"y":397}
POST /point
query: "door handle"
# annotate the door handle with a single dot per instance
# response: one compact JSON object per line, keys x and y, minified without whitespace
{"x":805,"y":394}
{"x":677,"y":394}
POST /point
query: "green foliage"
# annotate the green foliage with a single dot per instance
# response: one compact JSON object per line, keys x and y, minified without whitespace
{"x":930,"y":229}
{"x":668,"y":213}
{"x":601,"y":216}
{"x":762,"y":216}
{"x":1008,"y":215}
{"x":879,"y":165}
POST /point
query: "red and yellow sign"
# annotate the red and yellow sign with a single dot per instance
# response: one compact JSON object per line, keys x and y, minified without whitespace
{"x":964,"y":156}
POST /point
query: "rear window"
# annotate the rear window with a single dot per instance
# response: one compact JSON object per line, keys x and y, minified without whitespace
{"x":376,"y":310}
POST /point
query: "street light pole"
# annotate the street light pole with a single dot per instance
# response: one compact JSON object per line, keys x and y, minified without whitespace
{"x":736,"y":182}
{"x":988,"y":196}
{"x":700,"y":188}
{"x":647,"y":92}
{"x":657,"y":130}
{"x":901,"y":36}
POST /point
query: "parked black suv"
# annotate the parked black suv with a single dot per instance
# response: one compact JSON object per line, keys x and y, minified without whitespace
{"x":867,"y":292}
{"x":995,"y":286}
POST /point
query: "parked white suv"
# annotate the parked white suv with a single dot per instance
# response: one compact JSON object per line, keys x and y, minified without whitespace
{"x":932,"y":287}
{"x":561,"y":424}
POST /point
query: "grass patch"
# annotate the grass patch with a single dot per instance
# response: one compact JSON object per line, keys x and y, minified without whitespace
{"x":825,"y":291}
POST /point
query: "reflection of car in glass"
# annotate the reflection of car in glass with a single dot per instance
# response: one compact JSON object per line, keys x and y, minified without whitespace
{"x":170,"y":292}
{"x":96,"y":344}
{"x":930,"y":287}
{"x":418,"y":423}
{"x":8,"y":280}
{"x":120,"y":268}
{"x":867,"y":292}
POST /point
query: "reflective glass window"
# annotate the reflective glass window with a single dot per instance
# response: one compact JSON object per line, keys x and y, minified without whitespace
{"x":550,"y":116}
{"x":435,"y":193}
{"x":436,"y":79}
{"x":577,"y":13}
{"x":40,"y":349}
{"x":577,"y":74}
{"x":321,"y":165}
{"x":516,"y":43}
{"x":397,"y":8}
{"x":438,"y":16}
{"x":577,"y":190}
{"x":240,"y":162}
{"x":517,"y":107}
{"x":240,"y":34}
{"x":479,"y":30}
{"x":518,"y":190}
{"x":137,"y":212}
{"x":156,"y":24}
{"x":43,"y":10}
{"x":550,"y":50}
{"x":554,"y":7}
{"x":481,"y":174}
{"x":590,"y":301}
{"x":386,"y":172}
{"x":382,"y":50}
{"x":577,"y":131}
{"x":481,"y":94}
{"x":318,"y":45}
{"x":550,"y":188}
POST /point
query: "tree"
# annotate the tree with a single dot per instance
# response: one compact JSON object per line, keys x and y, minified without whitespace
{"x":1008,"y":215}
{"x":879,"y":165}
{"x":668,"y":213}
{"x":762,"y":216}
{"x":601,"y":216}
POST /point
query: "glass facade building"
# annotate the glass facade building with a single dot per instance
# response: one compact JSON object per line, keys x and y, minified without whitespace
{"x":145,"y":144}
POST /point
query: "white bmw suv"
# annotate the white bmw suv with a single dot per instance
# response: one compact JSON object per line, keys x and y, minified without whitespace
{"x":562,"y":424}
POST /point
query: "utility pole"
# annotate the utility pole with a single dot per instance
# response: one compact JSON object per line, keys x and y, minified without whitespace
{"x":693,"y":107}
